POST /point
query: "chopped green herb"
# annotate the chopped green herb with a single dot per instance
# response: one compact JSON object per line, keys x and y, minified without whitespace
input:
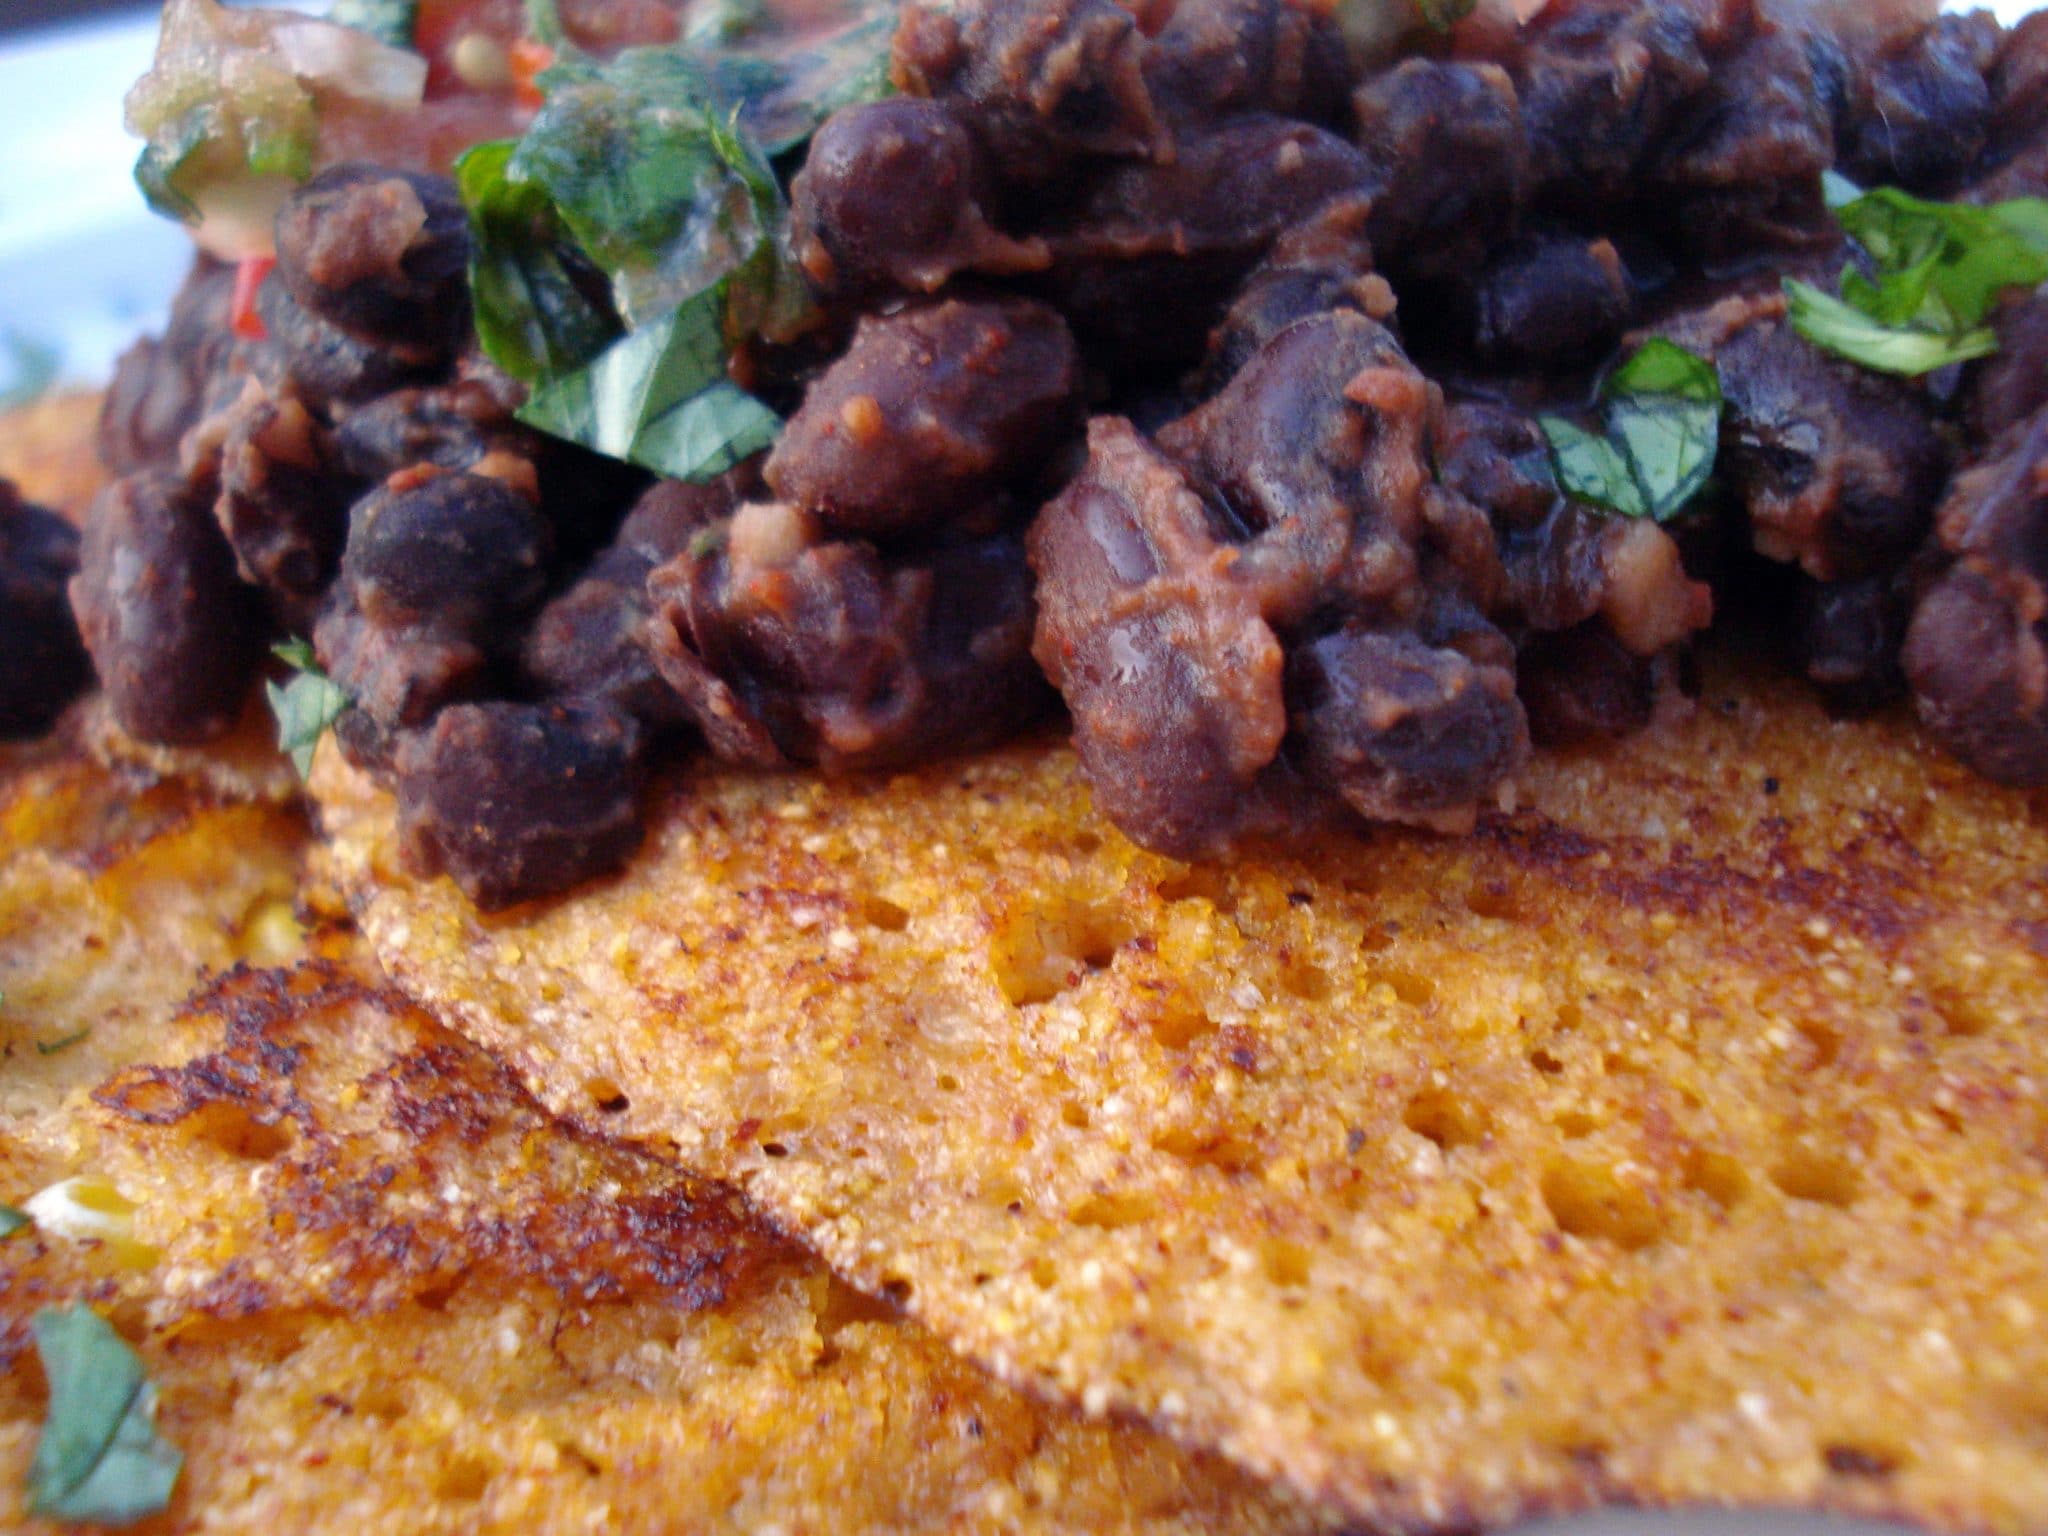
{"x":1938,"y":271}
{"x":389,"y":21}
{"x":12,"y":1221}
{"x":1662,"y":412}
{"x":99,"y":1458}
{"x":654,"y":182}
{"x":306,"y":707}
{"x":660,"y":398}
{"x":638,"y":229}
{"x":64,"y":1043}
{"x":541,"y":308}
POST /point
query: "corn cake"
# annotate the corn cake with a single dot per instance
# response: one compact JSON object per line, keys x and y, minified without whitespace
{"x":376,"y":1287}
{"x":1678,"y":1137}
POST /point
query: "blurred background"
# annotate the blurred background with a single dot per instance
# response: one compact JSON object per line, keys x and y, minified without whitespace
{"x":18,"y":15}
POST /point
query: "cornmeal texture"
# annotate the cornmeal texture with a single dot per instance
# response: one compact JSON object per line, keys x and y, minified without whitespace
{"x":1679,"y":1136}
{"x":377,"y":1286}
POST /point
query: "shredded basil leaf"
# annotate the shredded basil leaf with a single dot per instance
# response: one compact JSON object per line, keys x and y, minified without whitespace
{"x":389,"y":21}
{"x":99,"y":1458}
{"x":541,"y":308}
{"x":12,"y":1221}
{"x":638,"y":229}
{"x":1662,"y":411}
{"x":645,"y":168}
{"x":306,"y":707}
{"x":63,"y":1043}
{"x":660,"y":398}
{"x":1938,"y":270}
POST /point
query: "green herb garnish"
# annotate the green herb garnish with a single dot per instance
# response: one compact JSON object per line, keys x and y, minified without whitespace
{"x":660,"y":398}
{"x":52,"y":1047}
{"x":542,"y":309}
{"x":637,"y":232}
{"x":306,"y":707}
{"x":99,"y":1458}
{"x":13,"y":1221}
{"x":1940,"y":270}
{"x":1662,"y":423}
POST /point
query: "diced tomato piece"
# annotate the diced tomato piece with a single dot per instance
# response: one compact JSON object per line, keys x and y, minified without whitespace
{"x":529,"y":58}
{"x":242,"y":316}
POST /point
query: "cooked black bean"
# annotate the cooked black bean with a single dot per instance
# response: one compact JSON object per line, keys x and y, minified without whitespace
{"x":1553,"y":301}
{"x":1450,"y":163}
{"x":438,"y":573}
{"x":282,"y":503}
{"x":1044,"y":80}
{"x":1318,"y":448}
{"x":1147,"y":264}
{"x":1740,"y":172}
{"x":1323,"y":263}
{"x":1215,"y":57}
{"x":1977,"y":653}
{"x":928,"y":413}
{"x":898,"y":194}
{"x":451,"y":426}
{"x":1170,"y":671}
{"x":334,"y":368}
{"x":1499,"y":459}
{"x":1847,"y":636}
{"x":2012,"y":385}
{"x":174,"y":634}
{"x":590,"y":642}
{"x":1600,"y":81}
{"x":1925,"y":113}
{"x":519,"y":801}
{"x":46,"y":663}
{"x":160,"y":387}
{"x":379,"y":253}
{"x":1402,"y":730}
{"x":1582,"y":685}
{"x":789,"y":647}
{"x":1838,"y":468}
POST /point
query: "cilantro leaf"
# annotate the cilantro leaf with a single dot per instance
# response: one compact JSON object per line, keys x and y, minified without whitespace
{"x":660,"y":398}
{"x":1661,"y":434}
{"x":540,"y":307}
{"x":1876,"y":344}
{"x":1938,"y":270}
{"x":99,"y":1457}
{"x":306,"y":707}
{"x":13,"y":1221}
{"x":642,"y":162}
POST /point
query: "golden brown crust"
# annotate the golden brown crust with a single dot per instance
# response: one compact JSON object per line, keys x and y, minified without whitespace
{"x":379,"y":1288}
{"x":1678,"y":1137}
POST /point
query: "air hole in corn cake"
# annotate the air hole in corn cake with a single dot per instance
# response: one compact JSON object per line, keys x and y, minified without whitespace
{"x":463,"y":1480}
{"x":1443,"y":1117}
{"x":880,"y":912}
{"x":1045,"y":949}
{"x":1817,"y":1172}
{"x":1593,"y":1201}
{"x":1721,"y":1178}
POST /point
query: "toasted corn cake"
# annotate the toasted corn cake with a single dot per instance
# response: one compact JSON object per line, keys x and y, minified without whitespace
{"x":1678,"y":1137}
{"x":376,"y":1286}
